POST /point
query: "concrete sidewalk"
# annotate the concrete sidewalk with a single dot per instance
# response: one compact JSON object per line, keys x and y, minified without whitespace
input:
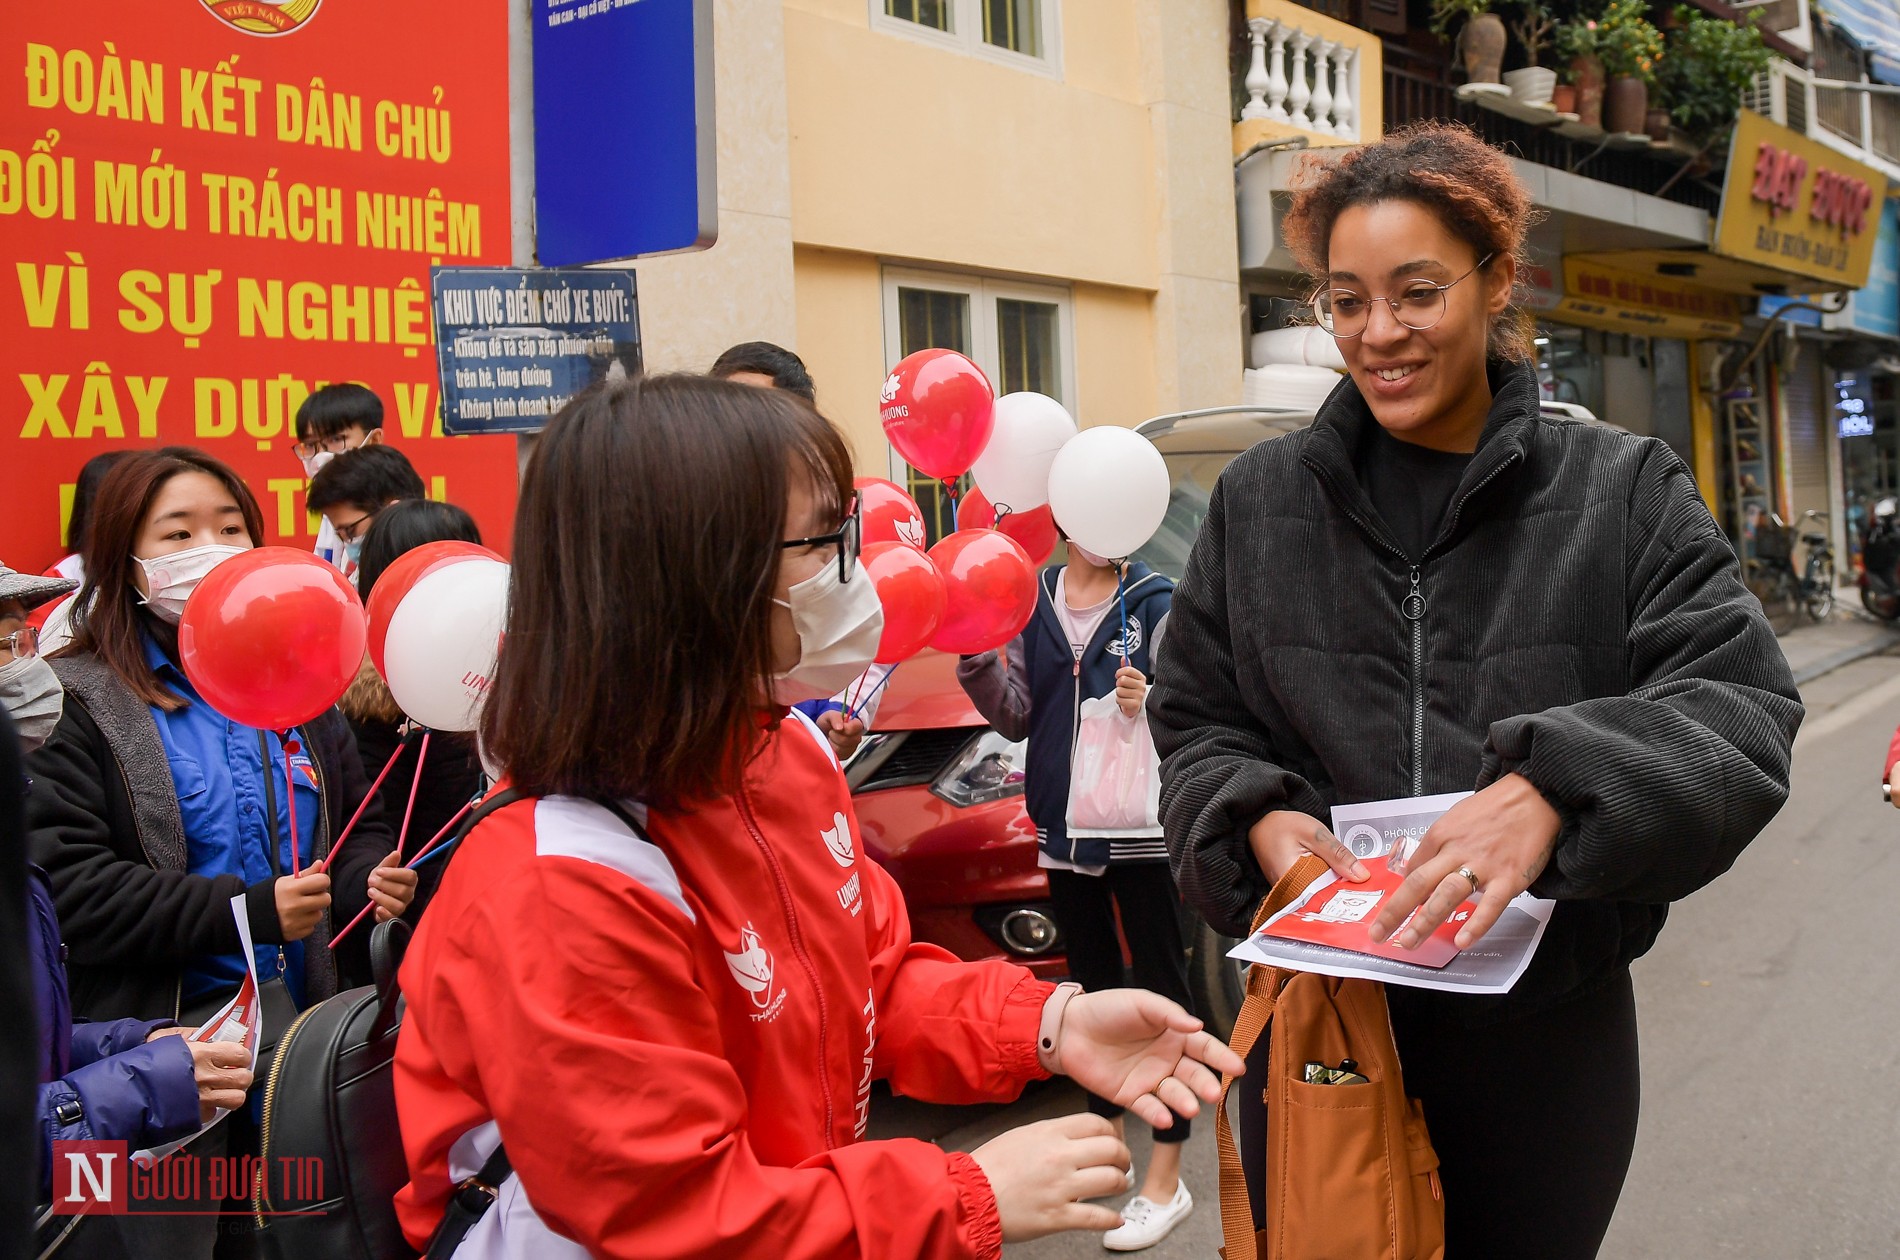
{"x":1847,"y":636}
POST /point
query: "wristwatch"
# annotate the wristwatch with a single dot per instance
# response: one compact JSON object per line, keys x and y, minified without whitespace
{"x":1049,"y":1036}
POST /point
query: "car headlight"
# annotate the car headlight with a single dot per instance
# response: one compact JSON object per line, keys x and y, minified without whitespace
{"x":990,"y":768}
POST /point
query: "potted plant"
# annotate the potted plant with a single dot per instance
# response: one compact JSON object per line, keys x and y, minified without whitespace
{"x":1481,"y":37}
{"x":1707,"y":65}
{"x":1630,"y":47}
{"x":1533,"y":26}
{"x":1577,"y":45}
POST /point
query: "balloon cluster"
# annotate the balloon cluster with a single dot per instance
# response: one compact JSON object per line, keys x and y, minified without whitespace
{"x":1037,"y":478}
{"x":274,"y":637}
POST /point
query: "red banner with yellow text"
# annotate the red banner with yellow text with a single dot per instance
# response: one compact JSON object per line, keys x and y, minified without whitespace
{"x":209,"y":208}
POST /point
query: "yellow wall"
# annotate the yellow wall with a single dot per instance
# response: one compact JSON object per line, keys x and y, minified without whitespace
{"x":906,"y":150}
{"x":841,"y":338}
{"x":1114,"y":355}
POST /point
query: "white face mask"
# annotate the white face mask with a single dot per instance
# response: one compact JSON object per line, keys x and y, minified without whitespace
{"x":1084,"y":554}
{"x":171,"y":579}
{"x":839,"y":625}
{"x":31,"y":694}
{"x":314,"y":462}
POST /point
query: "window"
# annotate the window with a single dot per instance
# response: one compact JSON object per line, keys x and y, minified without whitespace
{"x":1019,"y":334}
{"x":1020,"y":31}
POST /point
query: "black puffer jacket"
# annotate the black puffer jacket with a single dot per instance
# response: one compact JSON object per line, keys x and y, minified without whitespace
{"x":103,"y":820}
{"x":1579,"y":620}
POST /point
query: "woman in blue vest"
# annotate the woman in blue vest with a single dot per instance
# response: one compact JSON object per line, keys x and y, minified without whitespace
{"x":150,"y":810}
{"x":1075,"y":648}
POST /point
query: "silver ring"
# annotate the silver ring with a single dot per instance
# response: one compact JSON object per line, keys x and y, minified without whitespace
{"x":1466,"y":872}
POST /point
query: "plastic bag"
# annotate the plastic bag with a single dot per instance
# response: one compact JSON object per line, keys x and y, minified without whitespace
{"x":1115,"y":779}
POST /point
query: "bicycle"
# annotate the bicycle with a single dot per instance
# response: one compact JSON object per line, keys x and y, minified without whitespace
{"x":1809,"y":590}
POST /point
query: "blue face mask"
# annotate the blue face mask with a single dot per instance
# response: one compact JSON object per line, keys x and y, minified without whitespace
{"x":352,"y":553}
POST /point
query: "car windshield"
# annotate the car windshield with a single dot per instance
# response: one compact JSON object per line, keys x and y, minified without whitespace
{"x":1193,"y":474}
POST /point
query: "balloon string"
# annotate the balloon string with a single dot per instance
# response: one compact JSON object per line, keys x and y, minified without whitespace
{"x":415,"y":785}
{"x":855,"y":709}
{"x":367,"y":798}
{"x":423,"y":854}
{"x":1121,"y":591}
{"x":290,"y":746}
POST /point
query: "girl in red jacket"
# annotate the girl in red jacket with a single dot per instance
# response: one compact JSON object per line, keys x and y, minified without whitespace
{"x":652,"y":994}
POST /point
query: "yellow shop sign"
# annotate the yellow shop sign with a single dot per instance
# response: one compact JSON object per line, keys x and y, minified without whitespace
{"x":1597,"y":296}
{"x":1794,"y":204}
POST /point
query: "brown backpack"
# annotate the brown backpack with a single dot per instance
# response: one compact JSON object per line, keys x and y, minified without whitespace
{"x":1351,"y":1173}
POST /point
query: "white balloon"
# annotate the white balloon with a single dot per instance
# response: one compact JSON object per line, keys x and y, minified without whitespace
{"x":1014,"y":468}
{"x":1109,"y":490}
{"x":442,"y":641}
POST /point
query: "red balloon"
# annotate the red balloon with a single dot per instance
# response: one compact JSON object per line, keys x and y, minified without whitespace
{"x":938,"y":412}
{"x":404,"y":572}
{"x":991,"y":590}
{"x":889,"y":514}
{"x":1034,"y":529}
{"x":911,"y":590}
{"x":272,"y":638}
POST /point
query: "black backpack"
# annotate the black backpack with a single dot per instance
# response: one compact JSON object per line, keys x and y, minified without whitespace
{"x":330,"y":1097}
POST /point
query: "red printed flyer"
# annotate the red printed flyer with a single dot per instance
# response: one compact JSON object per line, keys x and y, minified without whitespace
{"x":1341,"y":914}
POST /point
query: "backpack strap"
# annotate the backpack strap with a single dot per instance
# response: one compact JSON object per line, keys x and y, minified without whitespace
{"x":468,"y":1203}
{"x":1256,"y":1011}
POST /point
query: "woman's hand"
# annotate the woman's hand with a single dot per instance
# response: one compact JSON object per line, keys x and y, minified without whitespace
{"x":301,"y":901}
{"x":1504,"y":836}
{"x":1141,"y":1051}
{"x":1041,"y":1172}
{"x":392,"y":887}
{"x":222,"y":1071}
{"x":1282,"y":837}
{"x":1131,"y":688}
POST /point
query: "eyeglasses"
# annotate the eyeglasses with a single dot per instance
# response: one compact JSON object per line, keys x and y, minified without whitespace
{"x":22,"y":642}
{"x":351,"y":532}
{"x":310,"y":448}
{"x":847,"y":538}
{"x":1418,"y":306}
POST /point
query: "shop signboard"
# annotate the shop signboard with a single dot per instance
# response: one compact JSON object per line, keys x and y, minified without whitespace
{"x":515,"y":343}
{"x":1599,"y":296}
{"x":209,"y":210}
{"x":1797,"y":206}
{"x":1874,"y":308}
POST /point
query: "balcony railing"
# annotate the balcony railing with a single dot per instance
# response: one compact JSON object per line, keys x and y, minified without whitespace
{"x":1308,"y":76}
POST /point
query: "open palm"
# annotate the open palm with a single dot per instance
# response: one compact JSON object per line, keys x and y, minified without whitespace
{"x":1141,"y":1051}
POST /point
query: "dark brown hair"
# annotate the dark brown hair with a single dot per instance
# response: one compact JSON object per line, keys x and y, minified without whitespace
{"x":108,"y":619}
{"x":638,"y":645}
{"x":1443,"y":167}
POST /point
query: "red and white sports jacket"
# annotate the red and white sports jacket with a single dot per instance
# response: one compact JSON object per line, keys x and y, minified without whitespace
{"x":677,"y":1038}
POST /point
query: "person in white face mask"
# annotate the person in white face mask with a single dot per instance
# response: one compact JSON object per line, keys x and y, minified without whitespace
{"x":29,"y":690}
{"x":151,"y":810}
{"x":669,"y":889}
{"x":337,"y":418}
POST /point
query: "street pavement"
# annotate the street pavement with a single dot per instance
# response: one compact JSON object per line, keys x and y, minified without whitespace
{"x":1770,"y":1028}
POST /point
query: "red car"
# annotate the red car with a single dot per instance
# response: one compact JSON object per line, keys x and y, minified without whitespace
{"x":940,"y":794}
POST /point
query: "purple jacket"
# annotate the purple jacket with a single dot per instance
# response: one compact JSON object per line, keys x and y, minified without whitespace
{"x":100,"y":1080}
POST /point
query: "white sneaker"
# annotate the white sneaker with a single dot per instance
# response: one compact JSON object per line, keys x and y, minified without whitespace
{"x":1145,"y":1223}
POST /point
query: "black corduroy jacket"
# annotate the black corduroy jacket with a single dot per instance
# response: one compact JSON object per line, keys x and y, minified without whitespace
{"x":1578,"y":620}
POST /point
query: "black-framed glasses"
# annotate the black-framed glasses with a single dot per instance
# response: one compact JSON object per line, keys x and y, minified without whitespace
{"x":847,"y":538}
{"x":1418,"y":306}
{"x":310,"y":448}
{"x":357,"y":528}
{"x":22,"y":643}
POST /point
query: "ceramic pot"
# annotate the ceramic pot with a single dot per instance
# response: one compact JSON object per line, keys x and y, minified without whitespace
{"x":1626,"y":105}
{"x":1587,"y":74}
{"x":1532,"y":85}
{"x":1656,"y":125}
{"x":1563,"y":98}
{"x":1483,"y":39}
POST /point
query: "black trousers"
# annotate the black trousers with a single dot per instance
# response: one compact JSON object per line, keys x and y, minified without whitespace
{"x":1085,"y":910}
{"x":1534,"y":1120}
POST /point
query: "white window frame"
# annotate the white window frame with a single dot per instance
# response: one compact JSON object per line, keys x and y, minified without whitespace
{"x":966,"y":35}
{"x":985,"y":346}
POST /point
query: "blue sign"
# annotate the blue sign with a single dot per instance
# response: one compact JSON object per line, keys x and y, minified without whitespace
{"x":1853,"y":407}
{"x":1770,"y":306}
{"x":623,"y":129}
{"x":1875,"y":308}
{"x":514,"y":344}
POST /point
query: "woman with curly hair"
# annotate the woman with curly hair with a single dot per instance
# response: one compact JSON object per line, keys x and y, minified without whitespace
{"x":1434,"y":589}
